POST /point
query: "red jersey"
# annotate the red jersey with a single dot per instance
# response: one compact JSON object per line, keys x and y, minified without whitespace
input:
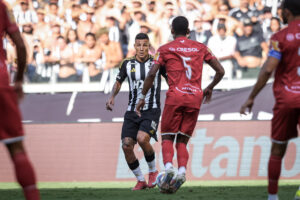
{"x":183,"y":59}
{"x":7,"y":25}
{"x":285,"y":46}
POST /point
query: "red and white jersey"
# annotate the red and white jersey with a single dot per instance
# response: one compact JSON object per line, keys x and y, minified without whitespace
{"x":7,"y":25}
{"x":183,"y":59}
{"x":285,"y":46}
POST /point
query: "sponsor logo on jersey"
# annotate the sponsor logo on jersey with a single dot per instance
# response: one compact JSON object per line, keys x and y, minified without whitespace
{"x":290,"y":37}
{"x":153,"y":125}
{"x":275,"y":45}
{"x":132,"y":70}
{"x":185,"y":49}
{"x":182,"y":41}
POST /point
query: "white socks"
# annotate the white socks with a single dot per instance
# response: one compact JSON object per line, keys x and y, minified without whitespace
{"x":138,"y":173}
{"x":168,"y":166}
{"x":181,"y":170}
{"x":151,"y":166}
{"x":273,"y":197}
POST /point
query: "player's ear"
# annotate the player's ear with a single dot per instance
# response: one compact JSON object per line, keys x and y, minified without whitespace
{"x":172,"y":31}
{"x":188,"y":32}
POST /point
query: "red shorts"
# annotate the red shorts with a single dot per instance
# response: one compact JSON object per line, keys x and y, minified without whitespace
{"x":11,"y":129}
{"x":179,"y":119}
{"x":284,"y":123}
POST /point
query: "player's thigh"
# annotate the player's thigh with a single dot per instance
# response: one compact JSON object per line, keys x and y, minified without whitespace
{"x":189,"y":120}
{"x":284,"y":123}
{"x":130,"y":126}
{"x":171,"y":119}
{"x":149,"y":122}
{"x":11,"y":129}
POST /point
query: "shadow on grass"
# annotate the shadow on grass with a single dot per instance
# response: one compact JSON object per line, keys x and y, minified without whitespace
{"x":286,"y":192}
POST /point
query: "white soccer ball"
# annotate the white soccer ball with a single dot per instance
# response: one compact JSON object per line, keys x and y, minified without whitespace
{"x":159,"y":179}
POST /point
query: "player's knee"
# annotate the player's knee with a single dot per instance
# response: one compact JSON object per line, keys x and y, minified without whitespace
{"x":127,"y":145}
{"x":142,"y":140}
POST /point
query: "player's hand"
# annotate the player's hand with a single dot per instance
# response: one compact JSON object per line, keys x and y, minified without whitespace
{"x":18,"y":88}
{"x":207,"y":93}
{"x":248,"y":104}
{"x":110,"y":104}
{"x":139,"y":106}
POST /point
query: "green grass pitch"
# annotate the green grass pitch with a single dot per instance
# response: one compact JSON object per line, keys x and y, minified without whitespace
{"x":194,"y":190}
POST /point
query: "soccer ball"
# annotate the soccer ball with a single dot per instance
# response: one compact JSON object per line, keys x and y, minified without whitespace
{"x":159,"y":180}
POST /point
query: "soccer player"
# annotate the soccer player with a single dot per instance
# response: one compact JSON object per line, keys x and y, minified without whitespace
{"x":136,"y":129}
{"x":11,"y":130}
{"x":183,"y":60}
{"x":284,"y":59}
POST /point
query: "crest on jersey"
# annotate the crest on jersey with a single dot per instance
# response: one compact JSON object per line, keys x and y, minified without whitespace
{"x":156,"y":56}
{"x":275,"y":45}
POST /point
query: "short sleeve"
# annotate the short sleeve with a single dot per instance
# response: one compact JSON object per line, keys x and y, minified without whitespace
{"x":275,"y":49}
{"x":208,"y":55}
{"x":158,"y":58}
{"x":122,"y":72}
{"x":10,"y":25}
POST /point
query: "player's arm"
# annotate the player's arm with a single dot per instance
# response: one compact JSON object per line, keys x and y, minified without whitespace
{"x":265,"y":73}
{"x":147,"y":85}
{"x":216,"y":65}
{"x":21,"y":61}
{"x":117,"y":86}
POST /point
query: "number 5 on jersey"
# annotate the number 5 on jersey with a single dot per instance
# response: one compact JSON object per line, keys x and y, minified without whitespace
{"x":188,"y":68}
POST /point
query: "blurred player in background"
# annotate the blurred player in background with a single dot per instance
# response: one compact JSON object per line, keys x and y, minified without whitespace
{"x":284,"y":59}
{"x":183,"y":60}
{"x":136,"y":129}
{"x":11,"y":130}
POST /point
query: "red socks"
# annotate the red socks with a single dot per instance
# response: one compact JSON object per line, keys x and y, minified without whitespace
{"x":274,"y":169}
{"x":167,"y":151}
{"x":182,"y":154}
{"x":25,"y":176}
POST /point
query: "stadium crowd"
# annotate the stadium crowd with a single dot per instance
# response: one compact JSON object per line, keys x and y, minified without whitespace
{"x":77,"y":40}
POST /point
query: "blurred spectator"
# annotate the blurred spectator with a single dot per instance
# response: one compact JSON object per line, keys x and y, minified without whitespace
{"x":41,"y":28}
{"x":152,"y":12}
{"x":63,"y":56}
{"x":199,"y":34}
{"x":25,"y":14}
{"x":233,"y":26}
{"x":51,"y":38}
{"x":86,"y":24}
{"x":169,"y":11}
{"x":223,"y":47}
{"x":111,"y":50}
{"x":90,"y":56}
{"x":275,"y":26}
{"x":193,"y":9}
{"x":113,"y":29}
{"x":27,"y":33}
{"x":53,"y":16}
{"x":243,"y":12}
{"x":75,"y":44}
{"x":251,"y":50}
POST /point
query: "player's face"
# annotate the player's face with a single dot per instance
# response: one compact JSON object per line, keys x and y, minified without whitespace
{"x":142,"y":48}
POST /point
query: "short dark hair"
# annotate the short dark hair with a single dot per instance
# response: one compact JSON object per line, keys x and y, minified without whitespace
{"x":180,"y":25}
{"x":292,"y":5}
{"x":90,"y":34}
{"x":142,"y":36}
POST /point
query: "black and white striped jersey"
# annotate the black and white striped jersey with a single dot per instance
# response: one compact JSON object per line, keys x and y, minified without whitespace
{"x":136,"y":73}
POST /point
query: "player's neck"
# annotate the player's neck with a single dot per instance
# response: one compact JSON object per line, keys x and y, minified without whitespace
{"x":142,"y":59}
{"x":177,"y":36}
